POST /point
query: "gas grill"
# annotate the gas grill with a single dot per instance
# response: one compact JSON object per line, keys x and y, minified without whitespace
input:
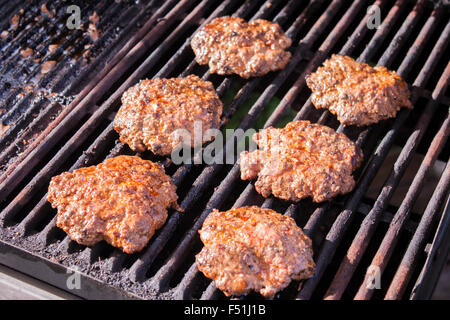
{"x":61,"y":119}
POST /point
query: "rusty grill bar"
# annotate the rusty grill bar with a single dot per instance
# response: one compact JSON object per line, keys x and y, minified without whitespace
{"x":349,"y":233}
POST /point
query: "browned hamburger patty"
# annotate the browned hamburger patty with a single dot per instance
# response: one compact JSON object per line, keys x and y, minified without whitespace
{"x":122,"y":200}
{"x":250,"y":248}
{"x":154,"y":111}
{"x":231,"y":45}
{"x":301,"y":160}
{"x":357,"y":93}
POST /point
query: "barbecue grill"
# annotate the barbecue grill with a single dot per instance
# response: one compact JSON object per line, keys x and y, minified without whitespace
{"x":60,"y":118}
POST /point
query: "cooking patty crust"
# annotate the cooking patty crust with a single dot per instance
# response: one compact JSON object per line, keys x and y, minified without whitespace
{"x":122,"y":200}
{"x":357,"y":93}
{"x":154,"y":111}
{"x":231,"y":45}
{"x":251,"y":248}
{"x":301,"y":160}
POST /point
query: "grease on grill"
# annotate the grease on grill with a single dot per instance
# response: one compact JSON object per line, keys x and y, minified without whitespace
{"x":39,"y":93}
{"x":4,"y":34}
{"x":3,"y":127}
{"x":251,"y":248}
{"x":93,"y":31}
{"x":25,"y":53}
{"x":61,"y":99}
{"x":52,"y":48}
{"x":46,"y":11}
{"x":94,"y":18}
{"x":48,"y":66}
{"x":15,"y":20}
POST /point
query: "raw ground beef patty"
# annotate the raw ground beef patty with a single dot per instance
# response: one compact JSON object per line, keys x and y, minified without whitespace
{"x":231,"y":45}
{"x":357,"y":93}
{"x":122,"y":201}
{"x":301,"y":160}
{"x":251,"y":248}
{"x":155,"y":113}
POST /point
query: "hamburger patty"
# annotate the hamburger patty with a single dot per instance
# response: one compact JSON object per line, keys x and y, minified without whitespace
{"x":154,"y":112}
{"x":122,"y":200}
{"x":250,"y":248}
{"x":301,"y":160}
{"x":231,"y":45}
{"x":357,"y":93}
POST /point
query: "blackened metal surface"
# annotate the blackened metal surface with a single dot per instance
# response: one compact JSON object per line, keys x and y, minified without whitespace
{"x":347,"y":232}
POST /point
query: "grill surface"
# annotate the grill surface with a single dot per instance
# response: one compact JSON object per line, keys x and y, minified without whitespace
{"x":73,"y":129}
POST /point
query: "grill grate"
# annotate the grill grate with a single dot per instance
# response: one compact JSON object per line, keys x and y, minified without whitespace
{"x":349,"y":233}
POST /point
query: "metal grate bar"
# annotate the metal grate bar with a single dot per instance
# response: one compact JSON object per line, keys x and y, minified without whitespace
{"x":404,"y":272}
{"x":390,"y":239}
{"x":436,"y":258}
{"x":367,"y":229}
{"x":338,"y":229}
